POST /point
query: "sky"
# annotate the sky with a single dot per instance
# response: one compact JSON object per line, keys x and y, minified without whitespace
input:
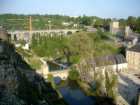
{"x":101,"y":8}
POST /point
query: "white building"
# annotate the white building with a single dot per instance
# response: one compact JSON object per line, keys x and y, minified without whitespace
{"x":114,"y":27}
{"x":130,"y":41}
{"x":54,"y":68}
{"x":66,"y":23}
{"x":26,"y":46}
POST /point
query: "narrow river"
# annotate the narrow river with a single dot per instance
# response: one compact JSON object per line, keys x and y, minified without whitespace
{"x":76,"y":97}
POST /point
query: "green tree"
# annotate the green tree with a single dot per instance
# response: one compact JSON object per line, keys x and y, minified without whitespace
{"x":85,"y":20}
{"x":81,"y":45}
{"x":131,"y":21}
{"x":98,"y":83}
{"x":101,"y":44}
{"x":138,"y":25}
{"x":99,"y":22}
{"x":111,"y":84}
{"x":51,"y":80}
{"x":123,"y":23}
{"x":74,"y":48}
{"x":106,"y":24}
{"x":73,"y":75}
{"x":49,"y":46}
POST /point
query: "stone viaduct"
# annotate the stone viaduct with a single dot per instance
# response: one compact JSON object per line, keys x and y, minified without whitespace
{"x":27,"y":35}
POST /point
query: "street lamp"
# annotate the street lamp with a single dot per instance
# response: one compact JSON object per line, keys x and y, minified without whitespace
{"x":49,"y":24}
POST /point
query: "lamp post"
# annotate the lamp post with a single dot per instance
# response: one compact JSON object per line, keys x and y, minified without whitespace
{"x":30,"y":29}
{"x":49,"y":24}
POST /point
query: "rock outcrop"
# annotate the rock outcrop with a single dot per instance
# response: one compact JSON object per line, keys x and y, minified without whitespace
{"x":20,"y":84}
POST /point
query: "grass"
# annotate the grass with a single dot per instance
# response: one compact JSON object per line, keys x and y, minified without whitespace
{"x":34,"y":62}
{"x":24,"y":53}
{"x":30,"y":58}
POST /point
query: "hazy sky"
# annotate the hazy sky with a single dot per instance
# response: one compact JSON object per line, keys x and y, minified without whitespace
{"x":101,"y":8}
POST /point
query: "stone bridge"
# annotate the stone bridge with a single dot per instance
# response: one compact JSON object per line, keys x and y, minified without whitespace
{"x":44,"y":71}
{"x":27,"y":35}
{"x":63,"y":74}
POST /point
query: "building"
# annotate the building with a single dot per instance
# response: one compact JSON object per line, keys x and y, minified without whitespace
{"x":127,"y":30}
{"x":130,"y":41}
{"x":131,"y":38}
{"x":66,"y":23}
{"x":27,"y":35}
{"x":56,"y":69}
{"x":115,"y":24}
{"x":133,"y":57}
{"x":128,"y":38}
{"x":114,"y":63}
{"x":91,"y":29}
{"x":75,"y":25}
{"x":114,"y":27}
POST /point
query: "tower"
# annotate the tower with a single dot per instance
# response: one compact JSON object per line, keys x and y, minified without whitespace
{"x":127,"y":31}
{"x":114,"y":27}
{"x":30,"y":23}
{"x":30,"y":29}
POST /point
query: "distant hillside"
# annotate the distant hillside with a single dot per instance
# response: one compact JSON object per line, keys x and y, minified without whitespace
{"x":21,"y":22}
{"x":19,"y":84}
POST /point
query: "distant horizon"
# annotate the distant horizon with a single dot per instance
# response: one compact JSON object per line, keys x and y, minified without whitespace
{"x":64,"y":15}
{"x":100,"y":8}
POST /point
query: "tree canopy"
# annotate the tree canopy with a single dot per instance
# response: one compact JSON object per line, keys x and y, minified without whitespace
{"x":73,"y":75}
{"x":75,"y":47}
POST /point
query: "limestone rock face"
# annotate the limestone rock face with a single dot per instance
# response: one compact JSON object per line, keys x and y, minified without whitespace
{"x":19,"y":83}
{"x":3,"y":34}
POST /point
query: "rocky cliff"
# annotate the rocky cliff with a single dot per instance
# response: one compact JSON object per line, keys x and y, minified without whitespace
{"x":20,"y":84}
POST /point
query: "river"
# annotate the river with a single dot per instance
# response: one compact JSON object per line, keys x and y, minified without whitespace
{"x":76,"y":96}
